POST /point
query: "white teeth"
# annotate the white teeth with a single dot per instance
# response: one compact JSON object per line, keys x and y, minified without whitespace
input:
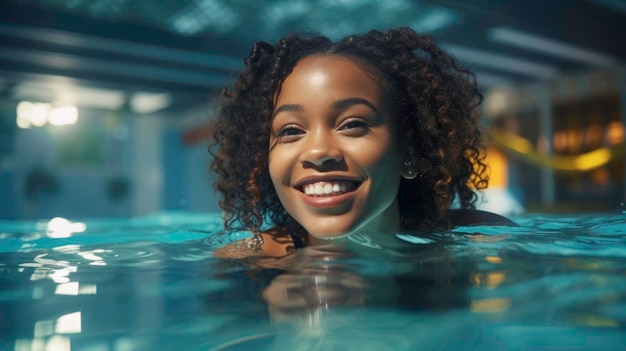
{"x":327,"y":188}
{"x":319,"y":189}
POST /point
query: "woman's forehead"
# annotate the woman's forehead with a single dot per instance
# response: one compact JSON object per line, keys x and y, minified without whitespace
{"x":331,"y":73}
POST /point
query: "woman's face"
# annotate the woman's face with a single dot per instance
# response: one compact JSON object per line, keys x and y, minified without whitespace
{"x":334,"y":153}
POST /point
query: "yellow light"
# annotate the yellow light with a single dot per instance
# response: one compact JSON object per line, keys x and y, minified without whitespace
{"x":559,"y":141}
{"x":592,"y":159}
{"x":495,"y":279}
{"x":493,"y":259}
{"x":514,"y":142}
{"x":596,"y":321}
{"x":490,"y":280}
{"x":615,"y":133}
{"x":583,"y":162}
{"x":498,"y":164}
{"x":593,"y":135}
{"x":574,"y":140}
{"x":490,"y":305}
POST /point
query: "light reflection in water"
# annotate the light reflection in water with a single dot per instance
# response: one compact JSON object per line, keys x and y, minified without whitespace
{"x":44,"y":328}
{"x":69,"y":324}
{"x":490,"y":305}
{"x":74,"y":288}
{"x":55,"y":343}
{"x":59,"y":270}
{"x":91,"y":255}
{"x":59,"y":227}
{"x":44,"y":269}
{"x":493,"y":259}
{"x":62,"y":275}
{"x":46,"y":334}
{"x":58,"y":343}
{"x":489,"y":280}
{"x":543,"y":276}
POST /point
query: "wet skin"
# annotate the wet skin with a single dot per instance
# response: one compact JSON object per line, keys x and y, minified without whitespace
{"x":335,"y":154}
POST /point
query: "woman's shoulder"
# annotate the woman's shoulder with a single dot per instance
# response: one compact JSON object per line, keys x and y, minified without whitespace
{"x":276,"y":243}
{"x":477,"y":217}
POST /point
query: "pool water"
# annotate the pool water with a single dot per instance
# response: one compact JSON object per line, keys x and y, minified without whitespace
{"x":151,"y":283}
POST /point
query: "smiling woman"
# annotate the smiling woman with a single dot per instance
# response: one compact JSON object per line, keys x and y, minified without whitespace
{"x":334,"y":154}
{"x":373,"y":134}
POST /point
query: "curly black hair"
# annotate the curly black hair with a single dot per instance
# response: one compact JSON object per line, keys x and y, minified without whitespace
{"x":437,"y":107}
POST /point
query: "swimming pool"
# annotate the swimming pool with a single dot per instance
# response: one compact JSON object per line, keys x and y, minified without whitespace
{"x":151,"y":283}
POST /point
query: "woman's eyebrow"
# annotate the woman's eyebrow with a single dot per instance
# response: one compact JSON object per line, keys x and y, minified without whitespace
{"x":287,"y":108}
{"x":345,"y":103}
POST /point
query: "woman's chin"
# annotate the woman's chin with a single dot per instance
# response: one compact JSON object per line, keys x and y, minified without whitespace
{"x":328,"y":238}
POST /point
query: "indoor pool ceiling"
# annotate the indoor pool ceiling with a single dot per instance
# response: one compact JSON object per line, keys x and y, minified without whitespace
{"x":106,"y":51}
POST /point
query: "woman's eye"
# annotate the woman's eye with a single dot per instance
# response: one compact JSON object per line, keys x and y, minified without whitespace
{"x":289,"y":133}
{"x":354,"y":126}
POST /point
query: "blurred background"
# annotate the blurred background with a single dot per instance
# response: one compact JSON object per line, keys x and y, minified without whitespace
{"x":104,"y":103}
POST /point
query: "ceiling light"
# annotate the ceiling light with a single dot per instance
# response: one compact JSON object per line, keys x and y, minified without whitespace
{"x":146,"y":103}
{"x":490,"y":80}
{"x":92,"y":97}
{"x":38,"y":114}
{"x":549,"y":46}
{"x":66,"y":94}
{"x":63,"y":116}
{"x":116,"y":46}
{"x":501,"y":62}
{"x":435,"y":19}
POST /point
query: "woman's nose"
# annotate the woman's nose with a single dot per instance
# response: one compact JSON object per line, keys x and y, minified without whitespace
{"x":321,"y":150}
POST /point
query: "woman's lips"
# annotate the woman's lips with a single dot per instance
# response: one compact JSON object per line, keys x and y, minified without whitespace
{"x":328,"y":193}
{"x":329,"y":188}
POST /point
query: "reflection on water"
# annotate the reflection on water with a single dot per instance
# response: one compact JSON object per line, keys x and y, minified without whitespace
{"x":152,"y":284}
{"x":62,"y":228}
{"x":316,"y":279}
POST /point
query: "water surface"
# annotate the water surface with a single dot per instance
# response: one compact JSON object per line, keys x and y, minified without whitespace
{"x":152,"y":283}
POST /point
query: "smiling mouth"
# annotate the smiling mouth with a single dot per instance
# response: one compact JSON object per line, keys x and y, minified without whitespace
{"x":329,"y":188}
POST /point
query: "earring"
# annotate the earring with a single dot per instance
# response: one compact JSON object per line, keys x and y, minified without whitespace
{"x":409,"y":168}
{"x":255,"y":242}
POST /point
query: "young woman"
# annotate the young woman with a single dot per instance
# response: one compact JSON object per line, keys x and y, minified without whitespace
{"x":370,"y":135}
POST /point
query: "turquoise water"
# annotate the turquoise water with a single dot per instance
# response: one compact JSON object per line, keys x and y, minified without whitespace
{"x":151,"y":283}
